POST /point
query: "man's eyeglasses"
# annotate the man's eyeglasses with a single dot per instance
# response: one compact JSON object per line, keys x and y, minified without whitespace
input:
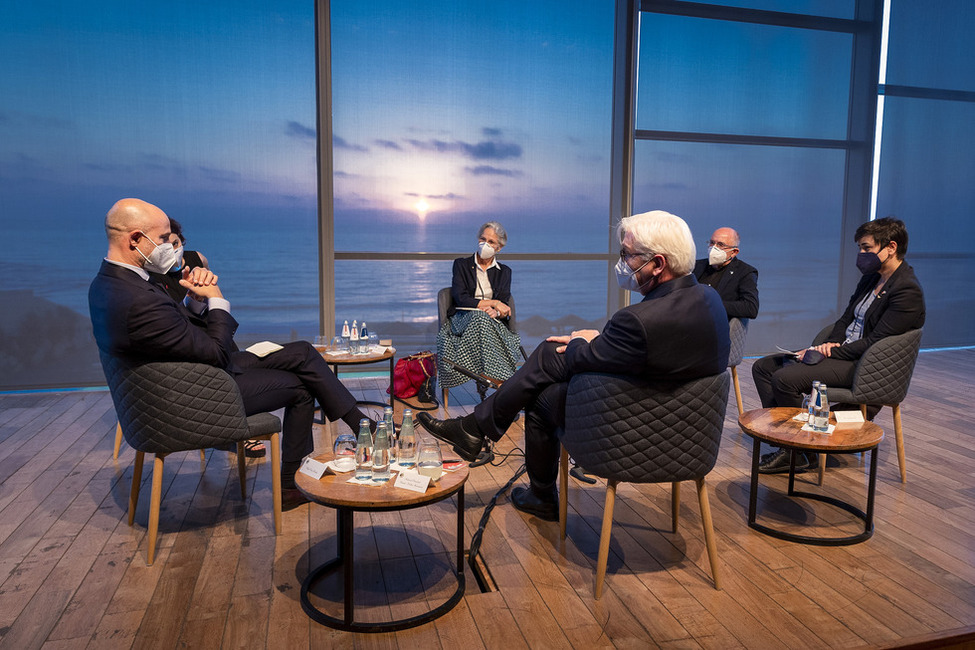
{"x":723,"y":246}
{"x":626,"y":256}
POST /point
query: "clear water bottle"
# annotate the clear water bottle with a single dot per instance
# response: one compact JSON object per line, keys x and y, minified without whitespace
{"x":391,"y":434}
{"x":822,"y":410}
{"x":363,"y":452}
{"x":345,"y":336}
{"x":406,"y":442}
{"x":380,"y":454}
{"x":811,"y":419}
{"x":364,"y":339}
{"x":354,"y":338}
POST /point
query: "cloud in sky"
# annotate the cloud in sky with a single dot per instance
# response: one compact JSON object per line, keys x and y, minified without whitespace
{"x":300,"y":131}
{"x":483,"y":150}
{"x":341,"y":143}
{"x":388,"y":144}
{"x":488,"y":170}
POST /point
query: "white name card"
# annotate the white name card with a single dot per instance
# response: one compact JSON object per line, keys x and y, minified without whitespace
{"x":412,"y":481}
{"x":313,"y":468}
{"x":848,"y":417}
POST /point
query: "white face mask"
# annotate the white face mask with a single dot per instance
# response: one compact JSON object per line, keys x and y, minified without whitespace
{"x":626,"y":277}
{"x":717,"y":256}
{"x":161,"y":259}
{"x":485,"y":251}
{"x":178,"y":264}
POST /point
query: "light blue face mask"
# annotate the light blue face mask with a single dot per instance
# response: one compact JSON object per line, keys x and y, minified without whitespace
{"x":626,"y":277}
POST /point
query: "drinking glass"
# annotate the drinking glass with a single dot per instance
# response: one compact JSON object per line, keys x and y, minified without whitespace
{"x":373,"y":344}
{"x":321,"y":343}
{"x":429,"y":460}
{"x":344,"y":449}
{"x":338,"y":345}
{"x":804,"y":414}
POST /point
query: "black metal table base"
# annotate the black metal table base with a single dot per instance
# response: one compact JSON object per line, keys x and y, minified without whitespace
{"x":344,"y":518}
{"x":866,"y":517}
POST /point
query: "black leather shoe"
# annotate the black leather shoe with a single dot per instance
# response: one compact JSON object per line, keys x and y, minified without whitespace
{"x":526,"y":500}
{"x":466,"y":444}
{"x":777,"y":462}
{"x":291,"y":498}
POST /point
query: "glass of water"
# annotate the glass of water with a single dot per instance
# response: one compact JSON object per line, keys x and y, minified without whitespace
{"x":429,"y":460}
{"x":344,"y":449}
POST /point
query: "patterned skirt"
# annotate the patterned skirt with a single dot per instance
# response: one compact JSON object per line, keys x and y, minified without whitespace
{"x":479,"y":343}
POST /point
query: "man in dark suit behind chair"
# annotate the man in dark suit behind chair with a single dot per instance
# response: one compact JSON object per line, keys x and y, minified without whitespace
{"x":734,"y":280}
{"x":678,"y":332}
{"x":137,"y":320}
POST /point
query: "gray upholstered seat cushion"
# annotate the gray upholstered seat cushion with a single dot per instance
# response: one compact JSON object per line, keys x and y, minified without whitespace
{"x":628,"y":429}
{"x":177,"y":406}
{"x":883,"y":373}
{"x":738,"y":330}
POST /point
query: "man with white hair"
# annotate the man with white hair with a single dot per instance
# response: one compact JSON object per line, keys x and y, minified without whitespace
{"x":678,"y":332}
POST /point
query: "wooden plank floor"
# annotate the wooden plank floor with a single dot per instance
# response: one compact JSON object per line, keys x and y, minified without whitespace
{"x":73,"y":574}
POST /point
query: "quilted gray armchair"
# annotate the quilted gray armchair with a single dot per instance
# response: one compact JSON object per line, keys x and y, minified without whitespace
{"x":625,"y":429}
{"x":882,"y":377}
{"x":169,"y":406}
{"x":738,"y":329}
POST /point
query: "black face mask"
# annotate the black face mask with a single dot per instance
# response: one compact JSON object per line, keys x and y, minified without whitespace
{"x":868,"y":263}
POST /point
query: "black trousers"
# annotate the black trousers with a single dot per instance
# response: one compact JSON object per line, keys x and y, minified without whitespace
{"x":539,"y":387}
{"x":782,"y":381}
{"x":293,"y":378}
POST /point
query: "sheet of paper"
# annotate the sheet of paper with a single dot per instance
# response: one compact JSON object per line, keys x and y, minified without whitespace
{"x":784,"y":351}
{"x":264,"y":348}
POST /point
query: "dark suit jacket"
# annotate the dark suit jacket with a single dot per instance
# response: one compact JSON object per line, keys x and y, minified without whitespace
{"x":898,"y":309}
{"x":464,"y":283}
{"x":678,"y":332}
{"x":738,"y":287}
{"x":137,"y":320}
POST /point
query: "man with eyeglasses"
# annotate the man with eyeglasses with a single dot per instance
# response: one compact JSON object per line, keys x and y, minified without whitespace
{"x":735,"y":281}
{"x":678,"y":332}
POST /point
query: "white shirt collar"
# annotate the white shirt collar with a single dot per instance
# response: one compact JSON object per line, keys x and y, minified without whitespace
{"x":141,"y":272}
{"x":492,"y":265}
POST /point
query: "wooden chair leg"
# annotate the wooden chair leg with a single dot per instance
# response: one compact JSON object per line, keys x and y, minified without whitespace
{"x":863,"y":411}
{"x":136,"y":484}
{"x":154,"y":502}
{"x":118,"y":440}
{"x":242,"y":469}
{"x":822,"y":468}
{"x":444,"y":393}
{"x":674,"y":505}
{"x":702,"y":497}
{"x":899,"y":436}
{"x":563,"y":491}
{"x":604,"y":536}
{"x":203,"y":456}
{"x":734,"y":377}
{"x":276,"y":479}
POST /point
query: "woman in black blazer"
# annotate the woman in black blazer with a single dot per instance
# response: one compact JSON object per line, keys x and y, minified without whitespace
{"x":887,"y":301}
{"x":476,"y":335}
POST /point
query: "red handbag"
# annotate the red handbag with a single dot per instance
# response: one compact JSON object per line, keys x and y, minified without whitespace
{"x":415,"y":375}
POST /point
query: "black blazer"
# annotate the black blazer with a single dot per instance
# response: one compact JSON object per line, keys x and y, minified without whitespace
{"x":464,"y":283}
{"x":898,"y":309}
{"x":678,"y":332}
{"x":738,"y":287}
{"x":137,"y":320}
